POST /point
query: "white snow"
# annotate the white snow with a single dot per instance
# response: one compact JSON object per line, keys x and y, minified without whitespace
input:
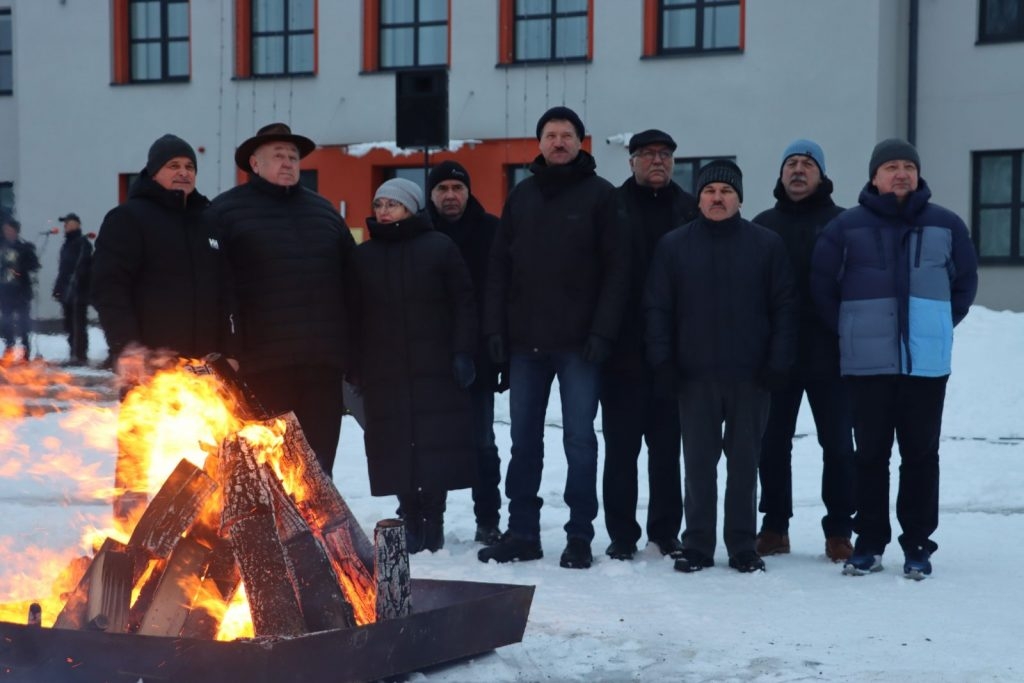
{"x":641,"y":621}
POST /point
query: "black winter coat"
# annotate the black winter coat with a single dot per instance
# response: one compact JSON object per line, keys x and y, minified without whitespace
{"x":649,"y":214}
{"x":285,"y":251}
{"x":18,"y":260}
{"x":74,"y":271}
{"x":156,"y":273}
{"x":474,"y":234}
{"x":559,"y":267}
{"x":800,"y":224}
{"x":414,"y":309}
{"x":720,"y":302}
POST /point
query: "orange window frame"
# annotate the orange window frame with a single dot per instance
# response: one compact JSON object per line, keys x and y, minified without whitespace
{"x":507,"y":31}
{"x":371,"y":36}
{"x":243,"y":39}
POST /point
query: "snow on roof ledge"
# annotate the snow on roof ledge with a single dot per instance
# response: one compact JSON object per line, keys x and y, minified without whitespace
{"x":619,"y":139}
{"x":360,"y":149}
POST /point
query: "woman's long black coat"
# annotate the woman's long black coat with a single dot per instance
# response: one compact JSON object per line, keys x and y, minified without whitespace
{"x":413,"y":310}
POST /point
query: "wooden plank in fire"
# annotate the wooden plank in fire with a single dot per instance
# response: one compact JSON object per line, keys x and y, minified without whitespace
{"x":248,"y":520}
{"x":103,"y":591}
{"x":173,"y":510}
{"x":177,"y":589}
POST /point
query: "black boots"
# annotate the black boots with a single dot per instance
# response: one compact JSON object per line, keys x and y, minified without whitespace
{"x":423,"y":514}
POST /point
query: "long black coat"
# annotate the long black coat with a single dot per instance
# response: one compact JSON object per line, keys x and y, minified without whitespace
{"x":155,"y":278}
{"x":285,"y":251}
{"x":74,"y":270}
{"x":18,"y":260}
{"x":559,"y":267}
{"x":800,"y":224}
{"x":414,"y":309}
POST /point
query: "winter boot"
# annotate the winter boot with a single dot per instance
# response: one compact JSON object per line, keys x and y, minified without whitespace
{"x":433,"y":534}
{"x":512,"y":549}
{"x":577,"y":554}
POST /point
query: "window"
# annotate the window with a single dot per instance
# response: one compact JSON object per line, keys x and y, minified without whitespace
{"x":275,"y":38}
{"x":1000,"y":21}
{"x":158,"y":37}
{"x":516,"y":173}
{"x":6,"y":199}
{"x":6,"y":53}
{"x":685,"y":171}
{"x":124,"y":185}
{"x":413,"y":33}
{"x":997,"y":202}
{"x":545,"y":30}
{"x":693,"y":26}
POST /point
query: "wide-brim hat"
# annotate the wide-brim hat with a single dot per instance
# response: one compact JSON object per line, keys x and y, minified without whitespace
{"x":274,"y":132}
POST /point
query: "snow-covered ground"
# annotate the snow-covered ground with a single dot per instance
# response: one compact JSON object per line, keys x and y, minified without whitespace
{"x":641,"y":621}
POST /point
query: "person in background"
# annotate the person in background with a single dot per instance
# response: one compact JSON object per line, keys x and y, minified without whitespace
{"x":18,"y":262}
{"x":892,"y":277}
{"x":415,"y":328}
{"x":457,"y":213}
{"x":71,"y":287}
{"x":631,"y":411}
{"x":804,"y":206}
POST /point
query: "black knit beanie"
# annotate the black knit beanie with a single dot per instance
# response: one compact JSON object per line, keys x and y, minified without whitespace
{"x":561,"y":114}
{"x":166,"y":148}
{"x":893,"y":149}
{"x":721,"y":171}
{"x":447,"y":170}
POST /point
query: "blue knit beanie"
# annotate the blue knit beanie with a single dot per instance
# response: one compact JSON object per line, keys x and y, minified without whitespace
{"x":807,"y":148}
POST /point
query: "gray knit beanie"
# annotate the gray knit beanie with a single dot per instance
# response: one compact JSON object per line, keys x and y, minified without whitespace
{"x":406,"y":192}
{"x":893,"y":149}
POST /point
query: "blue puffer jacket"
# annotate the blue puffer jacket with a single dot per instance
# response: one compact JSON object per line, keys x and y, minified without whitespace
{"x":893,"y":280}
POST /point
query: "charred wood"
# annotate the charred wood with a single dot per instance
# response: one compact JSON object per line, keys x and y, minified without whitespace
{"x":394,"y":584}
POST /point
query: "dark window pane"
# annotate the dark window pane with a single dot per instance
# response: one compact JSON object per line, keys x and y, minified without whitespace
{"x":268,"y":55}
{"x":679,"y":29}
{"x":177,"y":20}
{"x":397,"y":11}
{"x":722,"y":27}
{"x":177,"y":59}
{"x":1002,"y":17}
{"x":300,"y":15}
{"x":533,"y":6}
{"x":268,"y":15}
{"x":6,"y":74}
{"x":571,"y":37}
{"x":533,"y":39}
{"x":433,"y":10}
{"x":413,"y":174}
{"x":996,"y":179}
{"x":300,"y":53}
{"x":145,"y":20}
{"x":5,"y":33}
{"x":564,"y":6}
{"x":309,"y":179}
{"x":994,"y":231}
{"x":433,"y":45}
{"x":396,"y":47}
{"x":146,"y":61}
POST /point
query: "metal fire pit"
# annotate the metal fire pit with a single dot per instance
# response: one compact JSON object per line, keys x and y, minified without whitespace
{"x":450,"y":620}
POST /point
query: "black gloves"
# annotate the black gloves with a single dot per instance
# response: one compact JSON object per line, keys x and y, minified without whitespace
{"x":770,"y":379}
{"x":496,"y":349}
{"x":464,"y":370}
{"x":596,"y":349}
{"x":666,"y":380}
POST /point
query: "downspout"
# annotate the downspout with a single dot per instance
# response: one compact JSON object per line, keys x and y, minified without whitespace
{"x":912,"y":73}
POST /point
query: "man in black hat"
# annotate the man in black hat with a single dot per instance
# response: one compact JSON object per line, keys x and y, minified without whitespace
{"x":457,"y":213}
{"x":18,"y":262}
{"x":285,"y":250}
{"x":557,"y":286}
{"x":653,"y":204}
{"x":71,"y":287}
{"x":721,"y":334}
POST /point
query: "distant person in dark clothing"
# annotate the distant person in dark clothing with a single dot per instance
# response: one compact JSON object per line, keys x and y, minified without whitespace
{"x":631,"y":411}
{"x":457,"y":213}
{"x":804,"y":206}
{"x":156,"y":279}
{"x":71,"y":288}
{"x":18,"y":261}
{"x":556,"y":289}
{"x":415,"y":321}
{"x":721,"y":334}
{"x":285,"y":250}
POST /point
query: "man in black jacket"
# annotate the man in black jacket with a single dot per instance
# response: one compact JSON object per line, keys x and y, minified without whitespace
{"x":556,"y":289}
{"x":18,"y":261}
{"x":804,"y":207}
{"x":631,"y":412}
{"x":457,"y":213}
{"x":721,"y":326}
{"x":285,"y":250}
{"x":71,"y":287}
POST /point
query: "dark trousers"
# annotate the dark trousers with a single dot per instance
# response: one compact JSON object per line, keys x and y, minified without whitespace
{"x":911,"y":409}
{"x":704,"y":406}
{"x":579,"y":381}
{"x":15,"y":322}
{"x":76,"y":329}
{"x":631,"y":414}
{"x":830,"y":406}
{"x":486,"y":495}
{"x":423,"y":504}
{"x":316,"y":396}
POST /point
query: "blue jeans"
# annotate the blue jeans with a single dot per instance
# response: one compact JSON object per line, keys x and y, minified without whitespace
{"x":531,"y":374}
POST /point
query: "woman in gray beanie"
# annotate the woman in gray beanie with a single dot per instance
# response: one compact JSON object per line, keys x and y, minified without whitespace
{"x":416,"y":330}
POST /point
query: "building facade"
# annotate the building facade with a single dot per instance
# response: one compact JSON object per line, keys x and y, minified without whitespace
{"x":87,"y":85}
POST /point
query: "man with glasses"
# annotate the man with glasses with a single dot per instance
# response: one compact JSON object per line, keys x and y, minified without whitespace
{"x":631,"y":409}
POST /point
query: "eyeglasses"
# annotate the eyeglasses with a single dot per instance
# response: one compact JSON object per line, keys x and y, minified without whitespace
{"x":385,"y":204}
{"x":650,"y":154}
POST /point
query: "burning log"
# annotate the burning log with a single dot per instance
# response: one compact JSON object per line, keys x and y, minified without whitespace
{"x":248,"y":519}
{"x":104,"y":590}
{"x":176,"y":590}
{"x":394,"y":584}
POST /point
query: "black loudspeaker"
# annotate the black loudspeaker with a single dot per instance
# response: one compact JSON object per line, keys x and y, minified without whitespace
{"x":421,"y":108}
